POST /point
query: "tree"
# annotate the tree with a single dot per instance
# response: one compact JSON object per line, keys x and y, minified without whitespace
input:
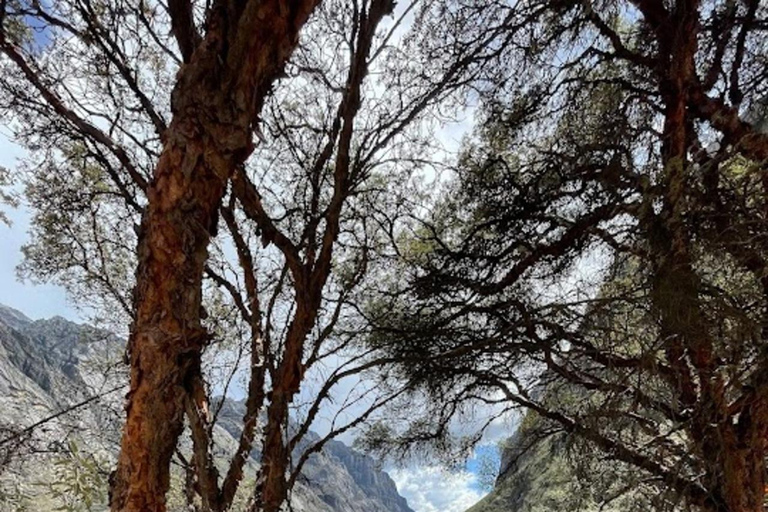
{"x":6,"y":198}
{"x":216,"y":98}
{"x":597,"y":228}
{"x":334,"y":149}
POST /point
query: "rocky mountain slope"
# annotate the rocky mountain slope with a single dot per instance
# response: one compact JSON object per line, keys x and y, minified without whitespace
{"x":533,"y":477}
{"x":47,"y":366}
{"x":544,"y":471}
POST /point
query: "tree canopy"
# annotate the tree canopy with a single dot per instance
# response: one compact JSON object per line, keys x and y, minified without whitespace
{"x":243,"y":182}
{"x":598,"y":255}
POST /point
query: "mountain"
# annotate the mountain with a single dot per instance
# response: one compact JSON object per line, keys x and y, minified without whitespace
{"x":534,"y":476}
{"x":47,"y":366}
{"x":340,"y":478}
{"x":544,"y":470}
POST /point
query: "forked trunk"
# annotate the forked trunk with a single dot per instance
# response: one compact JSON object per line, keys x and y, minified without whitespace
{"x":215,"y":104}
{"x":167,"y":338}
{"x":272,"y":489}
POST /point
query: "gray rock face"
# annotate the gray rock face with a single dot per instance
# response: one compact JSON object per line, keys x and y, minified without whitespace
{"x":338,"y":477}
{"x":48,"y":365}
{"x":349,"y":481}
{"x":376,"y":484}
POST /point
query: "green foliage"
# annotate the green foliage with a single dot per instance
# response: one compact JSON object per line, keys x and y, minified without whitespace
{"x":7,"y":196}
{"x":378,"y":436}
{"x":79,"y":482}
{"x":82,"y":235}
{"x":15,"y":497}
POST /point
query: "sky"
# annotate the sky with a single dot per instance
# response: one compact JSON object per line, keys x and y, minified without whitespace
{"x":433,"y":489}
{"x":35,"y":301}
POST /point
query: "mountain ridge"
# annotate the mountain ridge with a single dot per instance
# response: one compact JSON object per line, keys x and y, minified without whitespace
{"x":47,"y":365}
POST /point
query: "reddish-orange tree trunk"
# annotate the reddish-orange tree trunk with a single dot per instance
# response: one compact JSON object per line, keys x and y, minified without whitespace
{"x":215,"y":104}
{"x":730,"y":447}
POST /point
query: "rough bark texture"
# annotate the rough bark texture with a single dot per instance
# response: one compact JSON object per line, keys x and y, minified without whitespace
{"x":215,"y":104}
{"x":727,"y":443}
{"x":272,"y":490}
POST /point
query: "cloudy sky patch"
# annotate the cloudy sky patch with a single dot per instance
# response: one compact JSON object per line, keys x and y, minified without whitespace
{"x":434,"y":489}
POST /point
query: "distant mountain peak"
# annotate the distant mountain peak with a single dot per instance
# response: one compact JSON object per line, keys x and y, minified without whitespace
{"x":13,"y":317}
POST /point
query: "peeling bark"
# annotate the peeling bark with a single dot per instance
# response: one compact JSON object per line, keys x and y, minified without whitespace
{"x":215,"y":103}
{"x":730,"y":447}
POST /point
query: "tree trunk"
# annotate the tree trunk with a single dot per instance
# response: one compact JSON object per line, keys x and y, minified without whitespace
{"x":729,"y":475}
{"x":215,"y":104}
{"x":167,"y":337}
{"x":272,"y":489}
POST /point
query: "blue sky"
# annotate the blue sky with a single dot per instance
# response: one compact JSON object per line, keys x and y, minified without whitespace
{"x":36,"y":301}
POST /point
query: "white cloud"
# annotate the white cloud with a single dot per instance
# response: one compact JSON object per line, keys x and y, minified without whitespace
{"x":433,"y":489}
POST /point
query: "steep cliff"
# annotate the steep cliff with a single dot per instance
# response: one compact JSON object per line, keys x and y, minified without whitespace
{"x":534,"y":476}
